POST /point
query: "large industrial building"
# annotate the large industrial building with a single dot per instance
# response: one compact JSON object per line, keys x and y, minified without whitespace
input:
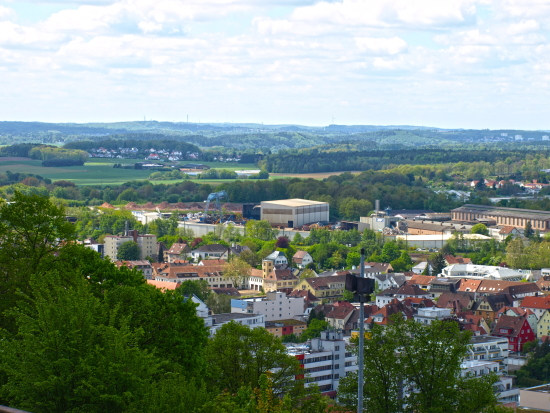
{"x":513,"y":217}
{"x":294,"y":213}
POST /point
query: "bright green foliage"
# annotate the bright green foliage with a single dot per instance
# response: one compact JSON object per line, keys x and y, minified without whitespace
{"x":480,"y":229}
{"x":128,"y":251}
{"x":72,"y":354}
{"x":314,"y":328}
{"x":528,"y":231}
{"x":200,"y":288}
{"x":30,"y":228}
{"x":353,"y":209}
{"x":428,"y":356}
{"x":353,"y":259}
{"x":536,"y":370}
{"x":238,"y":355}
{"x":219,"y":303}
{"x":438,"y":264}
{"x":403,"y":263}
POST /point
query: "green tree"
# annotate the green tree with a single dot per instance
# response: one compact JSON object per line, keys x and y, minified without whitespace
{"x":438,"y":264}
{"x":72,"y":354}
{"x":314,"y":328}
{"x":200,"y":288}
{"x":528,"y":231}
{"x":390,"y":252}
{"x":128,"y":251}
{"x":239,"y":355}
{"x":480,"y":229}
{"x":353,"y":259}
{"x":30,"y":229}
{"x":219,"y":303}
{"x":236,"y":270}
{"x":426,"y":356}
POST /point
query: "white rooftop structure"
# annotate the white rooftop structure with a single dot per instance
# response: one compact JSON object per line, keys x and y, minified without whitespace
{"x":481,"y":272}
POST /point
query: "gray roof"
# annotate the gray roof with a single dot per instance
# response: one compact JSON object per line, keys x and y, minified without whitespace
{"x":227,"y":317}
{"x":504,"y":212}
{"x":212,"y":248}
{"x":274,"y":255}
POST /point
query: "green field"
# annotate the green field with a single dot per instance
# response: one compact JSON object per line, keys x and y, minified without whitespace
{"x":100,"y":171}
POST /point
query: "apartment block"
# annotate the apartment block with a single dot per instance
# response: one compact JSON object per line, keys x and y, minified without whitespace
{"x":147,"y":244}
{"x":274,"y":306}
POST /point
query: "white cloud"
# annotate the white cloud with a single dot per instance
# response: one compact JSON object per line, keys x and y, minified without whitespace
{"x":113,"y":60}
{"x":377,"y":46}
{"x":7,"y":13}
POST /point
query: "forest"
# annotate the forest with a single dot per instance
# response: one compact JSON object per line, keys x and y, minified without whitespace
{"x":315,"y":160}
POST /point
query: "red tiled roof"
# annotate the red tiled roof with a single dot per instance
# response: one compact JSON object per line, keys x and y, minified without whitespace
{"x":421,"y":279}
{"x":510,"y":323}
{"x":507,"y":230}
{"x":536,"y":302}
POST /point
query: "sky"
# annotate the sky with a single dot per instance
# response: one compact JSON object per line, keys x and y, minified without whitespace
{"x":442,"y":63}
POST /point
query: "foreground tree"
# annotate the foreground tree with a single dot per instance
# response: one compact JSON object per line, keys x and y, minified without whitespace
{"x":427,"y":359}
{"x":238,"y":355}
{"x":72,"y":354}
{"x":32,"y":232}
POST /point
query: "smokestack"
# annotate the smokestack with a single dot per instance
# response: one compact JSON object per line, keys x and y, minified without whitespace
{"x":377,"y":205}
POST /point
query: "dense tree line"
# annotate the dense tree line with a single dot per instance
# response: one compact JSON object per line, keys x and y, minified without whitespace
{"x":314,"y":160}
{"x":63,"y":162}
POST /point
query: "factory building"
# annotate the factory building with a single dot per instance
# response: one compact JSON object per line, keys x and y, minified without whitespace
{"x":293,"y":213}
{"x":513,"y":217}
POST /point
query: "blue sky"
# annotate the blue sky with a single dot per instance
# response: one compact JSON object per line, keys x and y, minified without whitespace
{"x":452,"y":63}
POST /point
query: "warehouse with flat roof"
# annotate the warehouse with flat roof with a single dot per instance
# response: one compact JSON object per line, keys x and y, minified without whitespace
{"x":293,"y":213}
{"x":512,"y":217}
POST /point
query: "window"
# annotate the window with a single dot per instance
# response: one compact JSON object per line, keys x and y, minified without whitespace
{"x":337,"y":357}
{"x":337,"y":348}
{"x":336,"y":366}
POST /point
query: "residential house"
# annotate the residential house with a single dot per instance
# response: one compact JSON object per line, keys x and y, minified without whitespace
{"x":385,"y":281}
{"x":309,"y":299}
{"x":429,"y":314}
{"x":440,"y":285}
{"x":329,"y":288}
{"x":405,"y":291}
{"x":383,"y":315}
{"x":280,"y":280}
{"x":489,"y":305}
{"x":416,"y":302}
{"x":274,"y":306}
{"x":212,"y":262}
{"x":516,"y":329}
{"x":474,"y":323}
{"x":283,"y":328}
{"x":212,"y":251}
{"x":506,"y":231}
{"x":544,"y":282}
{"x":142,"y":265}
{"x":338,"y":317}
{"x":543,"y":324}
{"x":422,"y":281}
{"x":381,"y":267}
{"x":238,"y":249}
{"x":451,"y":259}
{"x":458,"y":302}
{"x":278,"y":257}
{"x":177,"y":251}
{"x":302,"y":259}
{"x":255,"y":280}
{"x":518,"y":311}
{"x":538,"y":305}
{"x":230,"y":291}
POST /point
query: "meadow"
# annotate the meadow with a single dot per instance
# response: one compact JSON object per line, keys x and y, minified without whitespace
{"x":100,"y":171}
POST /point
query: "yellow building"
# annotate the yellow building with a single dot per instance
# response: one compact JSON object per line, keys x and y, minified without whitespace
{"x":543,"y":325}
{"x":331,"y":287}
{"x":277,"y":280}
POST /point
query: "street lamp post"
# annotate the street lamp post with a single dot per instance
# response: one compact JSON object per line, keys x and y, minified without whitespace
{"x":361,"y":340}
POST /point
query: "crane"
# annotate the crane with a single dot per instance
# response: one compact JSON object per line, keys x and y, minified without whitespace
{"x":215,"y":196}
